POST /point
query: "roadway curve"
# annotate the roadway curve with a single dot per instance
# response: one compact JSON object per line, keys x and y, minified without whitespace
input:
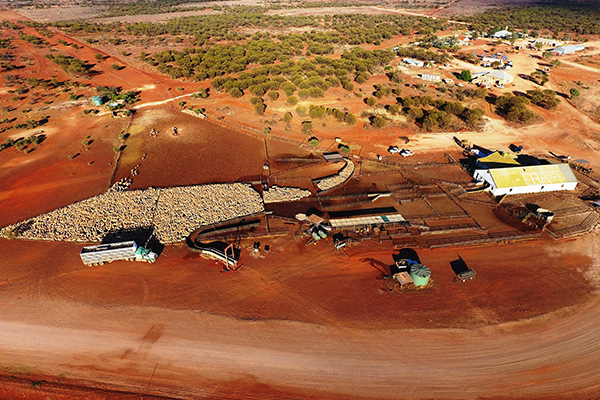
{"x":196,"y":353}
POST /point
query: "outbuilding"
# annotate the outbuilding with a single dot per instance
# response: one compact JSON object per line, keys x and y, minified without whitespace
{"x":430,"y":77}
{"x":412,"y":62}
{"x":490,"y":78}
{"x":518,"y":179}
{"x":502,"y":34}
{"x":564,"y":50}
{"x":548,"y":42}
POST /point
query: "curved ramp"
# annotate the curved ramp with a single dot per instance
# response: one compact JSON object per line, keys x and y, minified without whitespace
{"x":333,"y":181}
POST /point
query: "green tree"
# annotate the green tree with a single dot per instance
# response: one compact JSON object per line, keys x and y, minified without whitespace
{"x":316,"y":112}
{"x":344,"y":148}
{"x":472,"y":117}
{"x":260,"y":108}
{"x":430,"y":122}
{"x":394,"y":109}
{"x":349,"y":86}
{"x":379,"y":122}
{"x":395,"y":76}
{"x":235,"y":92}
{"x":350,"y":119}
{"x":416,"y":112}
{"x":465,"y":75}
{"x":287,"y":117}
{"x":307,"y":127}
{"x":301,"y":111}
{"x":371,"y":101}
{"x":454,"y":107}
{"x":574,"y":93}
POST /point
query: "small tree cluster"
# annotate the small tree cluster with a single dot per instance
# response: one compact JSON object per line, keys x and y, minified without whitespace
{"x":203,"y":93}
{"x":307,"y":127}
{"x":313,"y":141}
{"x":544,"y":98}
{"x":514,"y":108}
{"x":341,"y":116}
{"x":539,"y":77}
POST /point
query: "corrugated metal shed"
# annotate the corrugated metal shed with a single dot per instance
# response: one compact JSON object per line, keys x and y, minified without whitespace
{"x":333,"y":156}
{"x":366,"y":220}
{"x":430,"y":77}
{"x":532,"y":175}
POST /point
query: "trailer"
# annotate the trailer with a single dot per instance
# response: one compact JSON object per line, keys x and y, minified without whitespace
{"x":109,"y":252}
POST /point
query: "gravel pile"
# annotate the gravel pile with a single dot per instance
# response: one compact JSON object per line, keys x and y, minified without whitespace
{"x":342,"y":176}
{"x":174,"y":212}
{"x":277,"y":194}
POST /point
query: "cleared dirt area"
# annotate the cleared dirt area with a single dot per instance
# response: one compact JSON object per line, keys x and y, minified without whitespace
{"x":201,"y":152}
{"x":184,"y":315}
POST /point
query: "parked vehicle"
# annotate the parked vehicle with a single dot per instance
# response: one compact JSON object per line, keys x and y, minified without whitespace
{"x":109,"y":252}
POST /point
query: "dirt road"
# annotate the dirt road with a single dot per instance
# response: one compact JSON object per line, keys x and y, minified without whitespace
{"x":196,"y":351}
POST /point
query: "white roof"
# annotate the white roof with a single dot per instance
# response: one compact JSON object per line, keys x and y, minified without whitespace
{"x":496,"y":74}
{"x":571,"y":47}
{"x":533,"y":175}
{"x":502,"y":33}
{"x":430,"y":76}
{"x":366,"y":220}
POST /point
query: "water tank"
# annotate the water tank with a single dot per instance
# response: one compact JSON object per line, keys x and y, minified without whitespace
{"x":420,"y":274}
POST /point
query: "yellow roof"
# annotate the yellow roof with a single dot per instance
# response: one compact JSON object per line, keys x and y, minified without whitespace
{"x":499,"y":157}
{"x":532,"y":175}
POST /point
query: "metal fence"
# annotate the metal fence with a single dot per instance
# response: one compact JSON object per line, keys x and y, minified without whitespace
{"x":584,"y":227}
{"x":482,"y":238}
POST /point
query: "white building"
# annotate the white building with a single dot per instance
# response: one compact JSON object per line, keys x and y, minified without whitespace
{"x":413,"y":62}
{"x":548,"y":42}
{"x":430,"y":77}
{"x":491,"y":60}
{"x":570,"y":49}
{"x":520,"y":179}
{"x":490,"y":78}
{"x":502,"y":34}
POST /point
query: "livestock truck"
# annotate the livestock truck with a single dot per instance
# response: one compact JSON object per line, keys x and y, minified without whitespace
{"x":105,"y":253}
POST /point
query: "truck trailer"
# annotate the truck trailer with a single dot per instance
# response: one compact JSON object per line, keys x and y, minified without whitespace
{"x":104,"y":253}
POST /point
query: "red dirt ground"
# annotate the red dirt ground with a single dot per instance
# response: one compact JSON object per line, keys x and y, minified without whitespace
{"x":334,"y":292}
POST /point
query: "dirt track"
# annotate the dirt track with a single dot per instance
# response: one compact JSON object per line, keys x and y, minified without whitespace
{"x":557,"y":358}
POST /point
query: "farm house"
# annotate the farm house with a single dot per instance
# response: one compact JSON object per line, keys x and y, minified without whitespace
{"x":490,"y":78}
